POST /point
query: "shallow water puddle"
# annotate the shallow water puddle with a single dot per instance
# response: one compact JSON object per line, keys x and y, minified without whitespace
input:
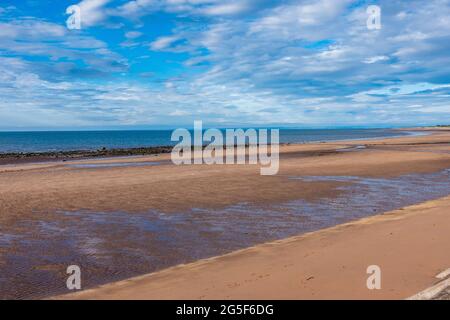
{"x":111,"y":246}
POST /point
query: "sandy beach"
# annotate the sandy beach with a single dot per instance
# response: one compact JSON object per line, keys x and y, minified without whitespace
{"x":411,"y":245}
{"x":56,"y":185}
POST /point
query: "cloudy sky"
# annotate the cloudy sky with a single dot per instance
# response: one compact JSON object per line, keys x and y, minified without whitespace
{"x":166,"y":63}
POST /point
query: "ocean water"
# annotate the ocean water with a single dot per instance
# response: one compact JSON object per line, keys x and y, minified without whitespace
{"x":94,"y":140}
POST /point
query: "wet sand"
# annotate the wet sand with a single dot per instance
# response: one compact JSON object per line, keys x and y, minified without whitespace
{"x":410,"y":246}
{"x":56,"y":186}
{"x":54,"y":196}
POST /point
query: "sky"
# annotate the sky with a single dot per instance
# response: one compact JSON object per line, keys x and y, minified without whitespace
{"x":165,"y":63}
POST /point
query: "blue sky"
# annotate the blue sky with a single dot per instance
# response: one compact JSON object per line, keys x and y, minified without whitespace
{"x":166,"y":63}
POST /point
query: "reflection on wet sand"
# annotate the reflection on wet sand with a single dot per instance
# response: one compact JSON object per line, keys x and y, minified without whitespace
{"x":117,"y":245}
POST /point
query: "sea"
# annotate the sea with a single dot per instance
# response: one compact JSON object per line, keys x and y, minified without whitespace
{"x":51,"y":141}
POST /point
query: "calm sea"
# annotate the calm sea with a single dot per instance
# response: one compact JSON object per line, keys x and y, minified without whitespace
{"x":93,"y":140}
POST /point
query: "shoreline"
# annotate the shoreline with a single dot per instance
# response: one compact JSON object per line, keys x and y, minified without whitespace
{"x":39,"y":157}
{"x":55,"y":156}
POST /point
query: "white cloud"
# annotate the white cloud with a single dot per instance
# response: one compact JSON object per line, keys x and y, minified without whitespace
{"x":138,"y":8}
{"x":163,"y":42}
{"x":375,"y":59}
{"x":93,"y":12}
{"x":225,"y":9}
{"x":30,"y":29}
{"x":178,"y":113}
{"x":296,"y":62}
{"x":35,"y":38}
{"x":135,"y":8}
{"x":133,"y":34}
